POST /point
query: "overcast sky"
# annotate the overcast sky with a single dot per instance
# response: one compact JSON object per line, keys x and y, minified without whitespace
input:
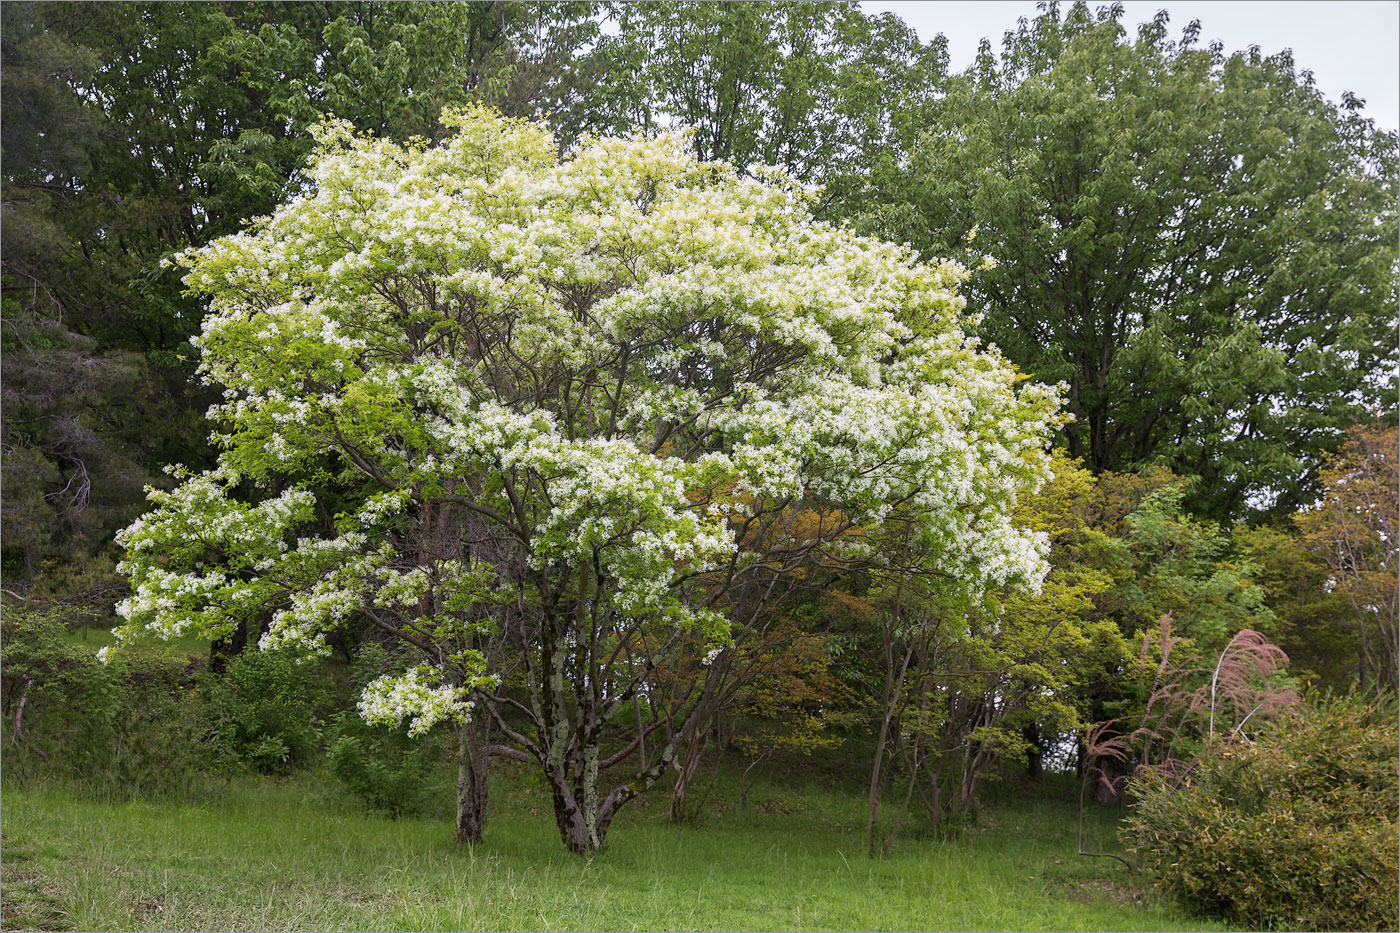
{"x":1350,"y":45}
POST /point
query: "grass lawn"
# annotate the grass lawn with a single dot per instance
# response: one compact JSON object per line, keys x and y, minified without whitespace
{"x":95,"y":637}
{"x":299,"y":854}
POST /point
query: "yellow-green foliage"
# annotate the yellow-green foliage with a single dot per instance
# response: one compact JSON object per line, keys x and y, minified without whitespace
{"x":1295,"y":829}
{"x":794,"y":698}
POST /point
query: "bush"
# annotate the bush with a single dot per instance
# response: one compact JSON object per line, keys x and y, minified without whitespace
{"x":394,"y":783}
{"x":58,"y":697}
{"x":384,"y":768}
{"x":265,"y":710}
{"x":1294,"y":829}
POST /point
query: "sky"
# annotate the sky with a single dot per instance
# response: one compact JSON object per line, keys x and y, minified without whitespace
{"x":1349,"y":45}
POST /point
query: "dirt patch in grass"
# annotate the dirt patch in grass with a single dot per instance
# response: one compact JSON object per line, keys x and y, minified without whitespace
{"x":1124,"y":894}
{"x":147,"y":909}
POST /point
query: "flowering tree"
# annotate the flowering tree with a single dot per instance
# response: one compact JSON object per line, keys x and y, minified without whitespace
{"x":546,"y":419}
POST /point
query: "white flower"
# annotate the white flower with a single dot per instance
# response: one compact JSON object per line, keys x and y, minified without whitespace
{"x":417,"y":696}
{"x":622,"y":365}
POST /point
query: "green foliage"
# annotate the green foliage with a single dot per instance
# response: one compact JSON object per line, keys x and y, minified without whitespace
{"x":71,"y":433}
{"x":383,"y":767}
{"x":133,"y":726}
{"x":792,"y":702}
{"x":383,"y":783}
{"x":808,"y":86}
{"x":159,"y":743}
{"x":1175,"y":563}
{"x":264,"y":710}
{"x":1355,"y":528}
{"x":62,"y":702}
{"x":1315,"y":624}
{"x":1294,"y":829}
{"x":1198,"y":244}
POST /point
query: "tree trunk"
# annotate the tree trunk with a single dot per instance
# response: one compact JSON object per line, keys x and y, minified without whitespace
{"x":19,"y":720}
{"x":903,"y":807}
{"x":578,"y":833}
{"x":1035,"y":760}
{"x":230,"y":646}
{"x":473,"y":754}
{"x":894,"y":691}
{"x":933,"y":801}
{"x":685,"y":765}
{"x":1109,"y":789}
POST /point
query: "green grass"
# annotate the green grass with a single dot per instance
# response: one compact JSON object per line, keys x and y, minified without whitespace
{"x":96,"y":637}
{"x":299,"y":854}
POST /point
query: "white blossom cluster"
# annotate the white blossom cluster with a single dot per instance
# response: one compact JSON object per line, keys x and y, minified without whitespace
{"x":418,"y":696}
{"x":615,"y":357}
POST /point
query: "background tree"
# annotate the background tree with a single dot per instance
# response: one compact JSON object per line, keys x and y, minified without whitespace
{"x":1313,"y":622}
{"x":753,"y":80}
{"x":1199,"y":245}
{"x":135,"y":130}
{"x":73,"y":417}
{"x":1354,"y":528}
{"x":808,"y":86}
{"x":794,"y":705}
{"x":1165,"y":560}
{"x":970,"y":685}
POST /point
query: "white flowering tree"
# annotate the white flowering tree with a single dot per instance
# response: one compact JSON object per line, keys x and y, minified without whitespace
{"x":577,"y":407}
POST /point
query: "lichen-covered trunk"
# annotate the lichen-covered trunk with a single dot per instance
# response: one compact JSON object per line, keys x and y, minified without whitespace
{"x":576,"y":810}
{"x":473,"y":740}
{"x":583,"y":817}
{"x":575,"y":829}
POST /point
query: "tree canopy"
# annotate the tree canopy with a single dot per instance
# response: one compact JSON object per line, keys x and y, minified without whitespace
{"x":578,"y":403}
{"x":1199,"y":245}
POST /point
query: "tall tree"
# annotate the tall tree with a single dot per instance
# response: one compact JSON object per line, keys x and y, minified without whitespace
{"x":1313,"y":622}
{"x":1199,"y":245}
{"x":601,"y":402}
{"x":135,"y":130}
{"x":75,"y":413}
{"x":808,"y":86}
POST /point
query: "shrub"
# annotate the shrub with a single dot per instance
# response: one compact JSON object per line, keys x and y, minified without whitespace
{"x":388,"y":779}
{"x":383,"y":767}
{"x":265,"y":710}
{"x":1294,"y":829}
{"x":159,"y":730}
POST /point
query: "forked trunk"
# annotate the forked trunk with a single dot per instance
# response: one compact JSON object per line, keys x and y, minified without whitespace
{"x":576,"y":804}
{"x":575,"y":829}
{"x":583,"y":817}
{"x":685,"y":766}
